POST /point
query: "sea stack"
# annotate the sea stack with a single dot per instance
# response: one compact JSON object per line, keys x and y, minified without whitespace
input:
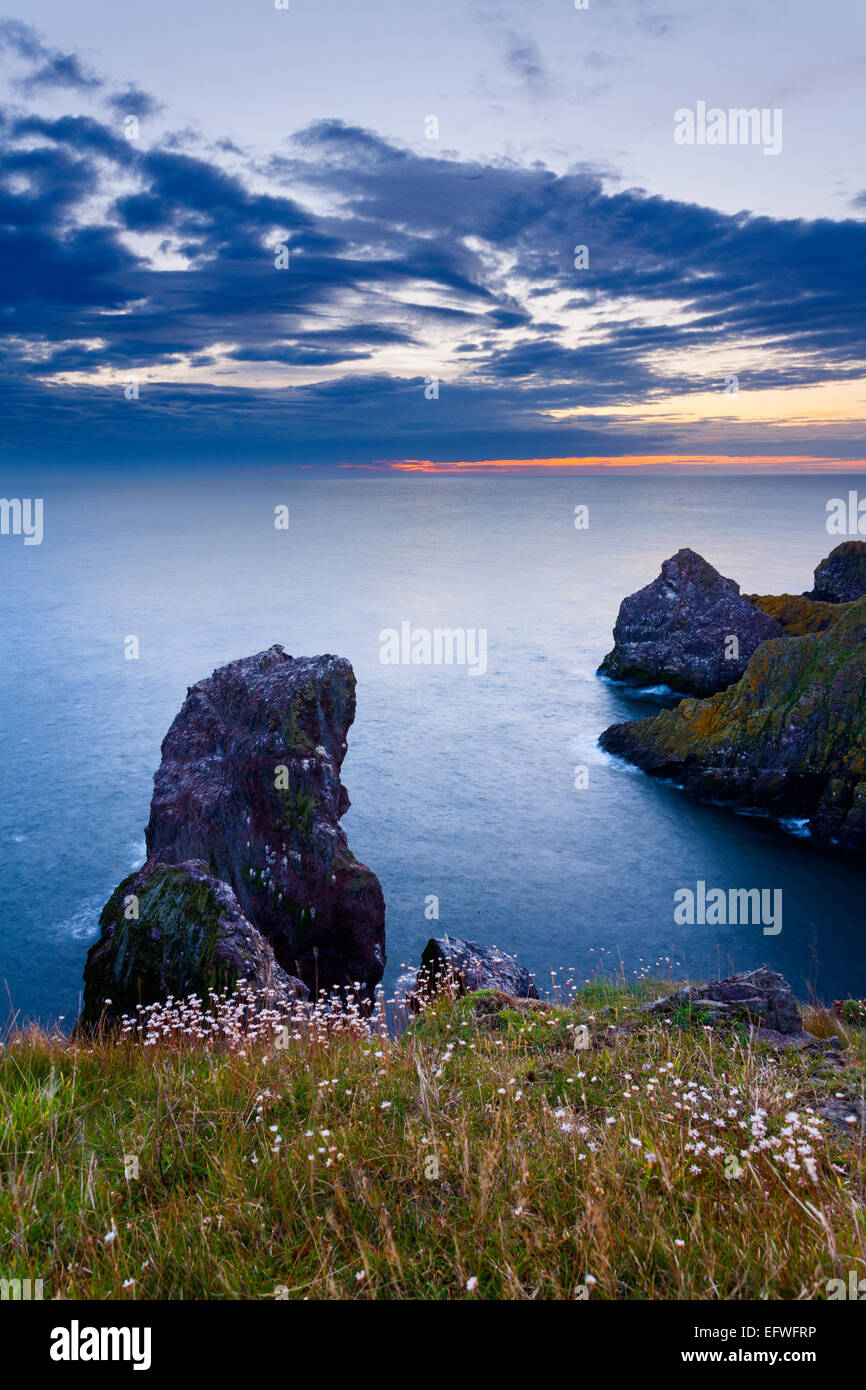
{"x":690,"y":629}
{"x":249,"y":787}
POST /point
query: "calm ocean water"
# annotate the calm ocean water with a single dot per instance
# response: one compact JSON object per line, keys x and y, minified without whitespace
{"x":461,"y":786}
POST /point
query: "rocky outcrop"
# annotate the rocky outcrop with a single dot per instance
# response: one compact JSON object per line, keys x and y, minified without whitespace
{"x":175,"y":931}
{"x":841,"y":578}
{"x":761,"y":998}
{"x":798,"y":614}
{"x":678,"y":630}
{"x":789,"y":738}
{"x":250,"y":782}
{"x":470,"y":966}
{"x":249,"y":785}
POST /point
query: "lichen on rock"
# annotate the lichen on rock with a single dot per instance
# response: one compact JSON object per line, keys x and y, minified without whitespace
{"x":798,"y":614}
{"x":789,"y":737}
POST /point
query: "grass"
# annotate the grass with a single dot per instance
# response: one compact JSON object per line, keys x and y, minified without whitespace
{"x":477,"y":1155}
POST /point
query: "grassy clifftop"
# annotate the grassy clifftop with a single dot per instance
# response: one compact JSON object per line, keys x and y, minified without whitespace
{"x":481,"y":1154}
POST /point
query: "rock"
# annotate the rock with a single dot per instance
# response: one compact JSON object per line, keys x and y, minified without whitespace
{"x":788,"y":738}
{"x":841,"y":578}
{"x":801,"y":1042}
{"x":249,"y":789}
{"x":761,"y":998}
{"x":488,"y":1009}
{"x":846,"y":1115}
{"x":797,"y":613}
{"x":473,"y":966}
{"x":676,"y":631}
{"x":250,"y":782}
{"x":189,"y":936}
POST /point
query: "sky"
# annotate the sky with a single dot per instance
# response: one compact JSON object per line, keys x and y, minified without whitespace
{"x":337,"y":235}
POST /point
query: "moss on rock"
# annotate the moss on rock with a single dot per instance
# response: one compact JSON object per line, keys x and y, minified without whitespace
{"x":173,"y":930}
{"x":799,"y":614}
{"x":789,"y":737}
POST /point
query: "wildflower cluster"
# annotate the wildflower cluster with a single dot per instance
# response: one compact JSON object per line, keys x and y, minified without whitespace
{"x":233,"y":1020}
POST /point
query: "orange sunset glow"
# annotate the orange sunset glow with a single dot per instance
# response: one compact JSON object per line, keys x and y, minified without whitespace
{"x":649,"y":462}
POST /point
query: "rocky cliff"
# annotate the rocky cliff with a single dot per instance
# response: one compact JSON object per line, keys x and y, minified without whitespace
{"x":789,"y":737}
{"x":678,"y":630}
{"x":249,"y":785}
{"x":841,"y":578}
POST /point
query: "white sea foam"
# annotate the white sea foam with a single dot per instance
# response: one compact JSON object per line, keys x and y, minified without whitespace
{"x":138,"y":852}
{"x":638,"y":692}
{"x":653,"y":692}
{"x":585,"y":752}
{"x":800,"y":828}
{"x":601,"y":757}
{"x":83,"y":924}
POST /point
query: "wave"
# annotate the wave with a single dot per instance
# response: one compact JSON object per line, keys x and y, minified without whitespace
{"x":138,"y":851}
{"x":83,"y":924}
{"x":795,"y":826}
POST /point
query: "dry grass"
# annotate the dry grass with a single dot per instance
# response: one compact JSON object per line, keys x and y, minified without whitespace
{"x":663,"y":1161}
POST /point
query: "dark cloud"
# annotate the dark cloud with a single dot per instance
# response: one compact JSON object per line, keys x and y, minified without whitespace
{"x":409,"y":248}
{"x":22,"y":39}
{"x":60,"y":70}
{"x":132,"y":101}
{"x":48,"y":67}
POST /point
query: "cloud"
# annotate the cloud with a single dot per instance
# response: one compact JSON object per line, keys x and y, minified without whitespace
{"x":523,"y":59}
{"x":60,"y":70}
{"x":21,"y":39}
{"x":133,"y":101}
{"x":48,"y":67}
{"x":120,"y":258}
{"x":51,"y":68}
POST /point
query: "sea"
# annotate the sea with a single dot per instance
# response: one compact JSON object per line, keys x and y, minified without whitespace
{"x":479,"y":795}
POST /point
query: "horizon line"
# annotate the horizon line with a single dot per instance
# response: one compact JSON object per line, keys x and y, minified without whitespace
{"x":753,"y":463}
